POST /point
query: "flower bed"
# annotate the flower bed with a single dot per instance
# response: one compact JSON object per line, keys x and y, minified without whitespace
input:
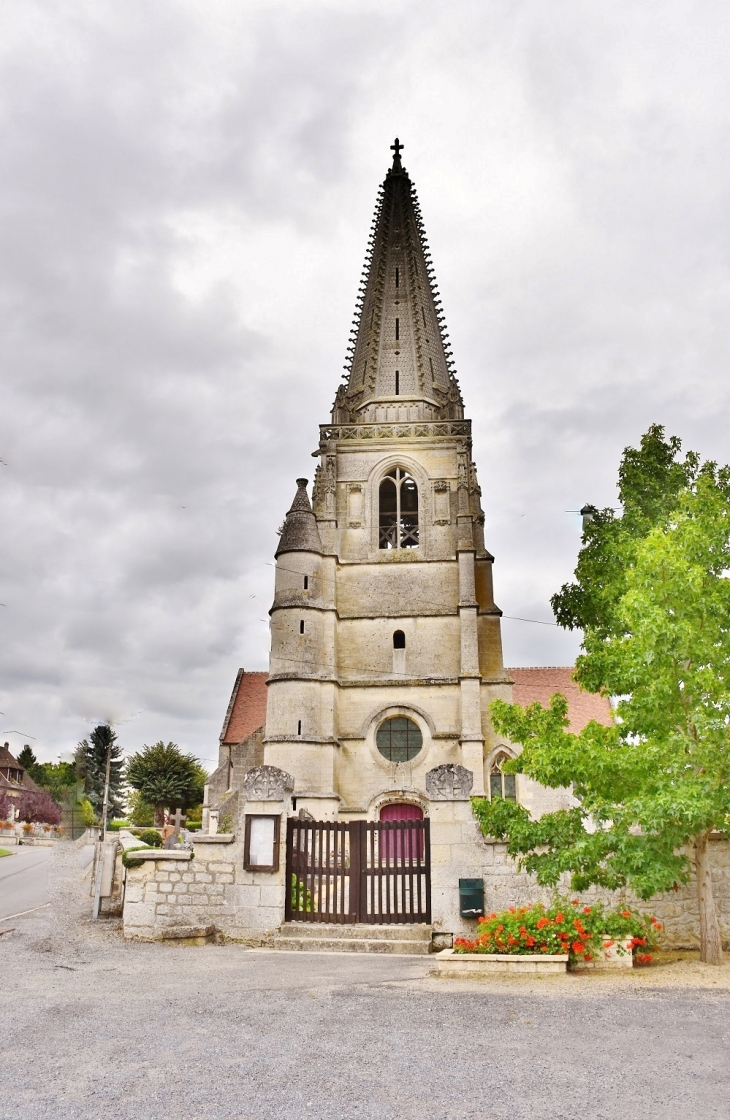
{"x":566,"y":926}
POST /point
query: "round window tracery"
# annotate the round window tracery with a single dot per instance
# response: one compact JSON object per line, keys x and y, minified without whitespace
{"x":399,"y":739}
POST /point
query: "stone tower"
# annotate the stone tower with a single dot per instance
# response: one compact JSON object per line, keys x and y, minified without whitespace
{"x":385,"y":638}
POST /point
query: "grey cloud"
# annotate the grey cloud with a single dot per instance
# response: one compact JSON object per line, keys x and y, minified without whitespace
{"x":184,"y":206}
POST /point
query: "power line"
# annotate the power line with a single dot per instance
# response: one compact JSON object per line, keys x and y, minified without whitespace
{"x":327,"y":579}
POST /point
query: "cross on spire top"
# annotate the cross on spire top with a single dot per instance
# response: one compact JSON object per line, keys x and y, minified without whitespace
{"x":396,"y":149}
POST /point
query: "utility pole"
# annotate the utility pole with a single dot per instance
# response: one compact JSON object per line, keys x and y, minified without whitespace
{"x":105,"y":805}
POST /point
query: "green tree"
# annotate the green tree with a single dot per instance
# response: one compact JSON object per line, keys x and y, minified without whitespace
{"x":58,"y":778}
{"x":30,"y":763}
{"x":139,"y":811}
{"x":166,"y":777}
{"x":653,"y":599}
{"x":91,"y":756}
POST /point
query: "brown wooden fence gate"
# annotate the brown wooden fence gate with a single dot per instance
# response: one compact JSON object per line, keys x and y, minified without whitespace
{"x":377,"y":872}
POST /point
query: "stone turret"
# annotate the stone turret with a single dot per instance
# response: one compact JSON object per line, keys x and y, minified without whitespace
{"x":299,"y":532}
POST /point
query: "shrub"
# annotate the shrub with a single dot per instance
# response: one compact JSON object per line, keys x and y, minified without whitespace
{"x":301,"y":896}
{"x":565,"y":926}
{"x":151,"y":838}
{"x":115,"y":826}
{"x":38,"y":806}
{"x":127,"y":858}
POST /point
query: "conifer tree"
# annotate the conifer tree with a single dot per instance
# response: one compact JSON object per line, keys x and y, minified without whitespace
{"x":166,"y":777}
{"x":91,"y":756}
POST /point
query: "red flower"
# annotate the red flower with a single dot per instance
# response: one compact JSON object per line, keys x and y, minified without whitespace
{"x":542,"y":922}
{"x":625,"y":913}
{"x":644,"y":958}
{"x":574,"y":902}
{"x":586,"y":909}
{"x":578,"y":947}
{"x":559,"y":918}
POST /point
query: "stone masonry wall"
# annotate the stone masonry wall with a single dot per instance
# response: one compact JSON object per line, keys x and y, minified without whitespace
{"x":186,"y":897}
{"x":458,"y":850}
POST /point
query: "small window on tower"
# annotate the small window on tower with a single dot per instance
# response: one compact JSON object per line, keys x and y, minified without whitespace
{"x":299,"y":727}
{"x":397,"y":383}
{"x":397,"y":329}
{"x":399,"y":640}
{"x":397,"y":278}
{"x":301,"y":627}
{"x":306,"y":583}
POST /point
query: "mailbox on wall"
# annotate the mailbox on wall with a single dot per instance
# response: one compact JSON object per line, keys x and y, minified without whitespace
{"x":261,"y":843}
{"x":471,"y":898}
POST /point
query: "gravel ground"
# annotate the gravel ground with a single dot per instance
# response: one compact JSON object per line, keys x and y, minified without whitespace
{"x":98,"y":1028}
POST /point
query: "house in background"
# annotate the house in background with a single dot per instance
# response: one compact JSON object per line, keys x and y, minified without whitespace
{"x":14,"y":778}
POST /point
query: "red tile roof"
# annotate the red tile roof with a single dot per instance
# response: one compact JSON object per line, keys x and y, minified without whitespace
{"x":539,"y":684}
{"x":247,"y":707}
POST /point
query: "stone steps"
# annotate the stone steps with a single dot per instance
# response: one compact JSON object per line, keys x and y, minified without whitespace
{"x":319,"y":937}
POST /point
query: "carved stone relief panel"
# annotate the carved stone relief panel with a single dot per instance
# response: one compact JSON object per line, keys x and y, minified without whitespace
{"x":449,"y":782}
{"x":267,"y":783}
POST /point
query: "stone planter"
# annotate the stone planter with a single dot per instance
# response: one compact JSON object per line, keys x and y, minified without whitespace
{"x":475,"y":965}
{"x":610,"y":958}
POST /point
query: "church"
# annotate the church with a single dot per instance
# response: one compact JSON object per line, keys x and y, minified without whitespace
{"x":385,"y":637}
{"x":340,"y":816}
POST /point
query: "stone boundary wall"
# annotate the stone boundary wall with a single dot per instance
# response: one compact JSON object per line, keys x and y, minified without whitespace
{"x":177,"y":898}
{"x":184,"y":898}
{"x":459,"y":850}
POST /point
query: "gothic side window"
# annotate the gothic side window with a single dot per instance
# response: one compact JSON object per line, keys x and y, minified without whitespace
{"x":500,"y":784}
{"x":398,"y":517}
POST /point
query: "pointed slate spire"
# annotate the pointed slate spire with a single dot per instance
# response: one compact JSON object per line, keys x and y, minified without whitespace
{"x":300,"y":532}
{"x":399,"y":343}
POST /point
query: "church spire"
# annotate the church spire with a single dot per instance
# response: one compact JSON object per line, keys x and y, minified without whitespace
{"x":398,"y":346}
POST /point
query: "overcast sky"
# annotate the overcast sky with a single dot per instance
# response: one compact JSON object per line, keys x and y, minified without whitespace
{"x":185,"y":197}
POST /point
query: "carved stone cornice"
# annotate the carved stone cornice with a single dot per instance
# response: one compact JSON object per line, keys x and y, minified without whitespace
{"x":444,"y":429}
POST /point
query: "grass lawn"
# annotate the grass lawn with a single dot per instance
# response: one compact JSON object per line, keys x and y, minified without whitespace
{"x":4,"y":852}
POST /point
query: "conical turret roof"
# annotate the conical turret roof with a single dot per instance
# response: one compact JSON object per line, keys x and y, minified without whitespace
{"x":399,"y":344}
{"x":299,"y":532}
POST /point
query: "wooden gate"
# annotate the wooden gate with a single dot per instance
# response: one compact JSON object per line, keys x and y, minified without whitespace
{"x":377,"y":872}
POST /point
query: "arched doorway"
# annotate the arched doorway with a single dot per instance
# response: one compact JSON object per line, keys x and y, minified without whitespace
{"x":401,"y":811}
{"x":400,"y":845}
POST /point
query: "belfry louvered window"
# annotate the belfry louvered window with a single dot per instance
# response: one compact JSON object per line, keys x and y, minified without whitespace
{"x":398,"y":523}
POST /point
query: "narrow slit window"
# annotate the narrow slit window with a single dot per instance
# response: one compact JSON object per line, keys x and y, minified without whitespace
{"x":399,"y":640}
{"x":306,"y":583}
{"x":397,"y":383}
{"x":397,"y":278}
{"x":301,"y":626}
{"x":299,"y":727}
{"x":430,"y":361}
{"x":397,"y":329}
{"x":423,"y":313}
{"x":398,"y":515}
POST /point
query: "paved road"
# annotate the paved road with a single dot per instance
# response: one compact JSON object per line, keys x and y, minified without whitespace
{"x":23,"y":879}
{"x":103,"y":1028}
